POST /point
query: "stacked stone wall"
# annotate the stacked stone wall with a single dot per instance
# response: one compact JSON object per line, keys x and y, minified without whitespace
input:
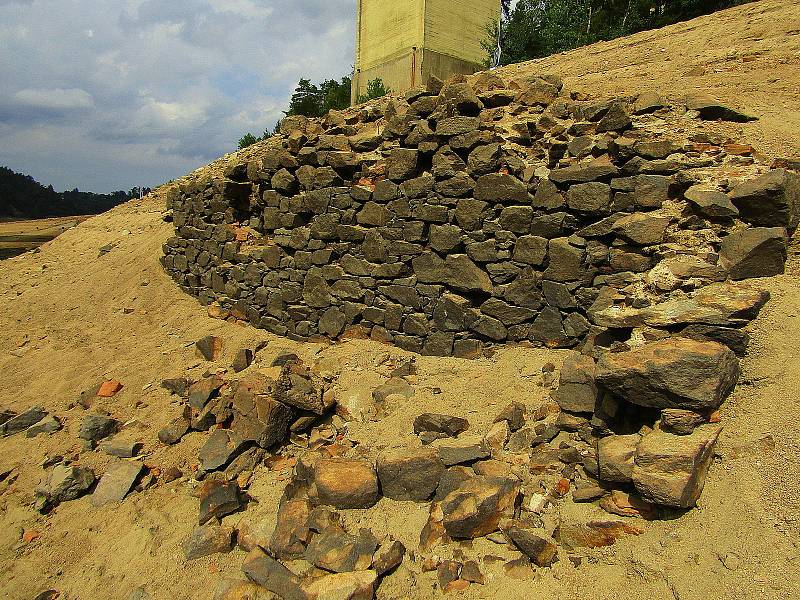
{"x":477,"y":214}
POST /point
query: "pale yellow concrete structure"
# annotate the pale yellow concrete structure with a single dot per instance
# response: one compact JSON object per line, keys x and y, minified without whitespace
{"x":404,"y":42}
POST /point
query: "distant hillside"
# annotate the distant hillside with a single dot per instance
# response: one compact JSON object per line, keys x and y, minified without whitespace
{"x":22,"y":197}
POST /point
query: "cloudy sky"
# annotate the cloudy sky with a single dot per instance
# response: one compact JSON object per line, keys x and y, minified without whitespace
{"x":110,"y":94}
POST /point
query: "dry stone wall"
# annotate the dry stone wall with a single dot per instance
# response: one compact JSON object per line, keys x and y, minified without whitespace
{"x":480,"y":212}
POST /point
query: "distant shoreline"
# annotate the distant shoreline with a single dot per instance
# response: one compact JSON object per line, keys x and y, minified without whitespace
{"x":18,"y":236}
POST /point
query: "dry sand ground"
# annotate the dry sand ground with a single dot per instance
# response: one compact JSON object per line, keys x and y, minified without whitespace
{"x":71,"y":317}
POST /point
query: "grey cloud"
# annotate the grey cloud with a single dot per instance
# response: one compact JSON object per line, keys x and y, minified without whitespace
{"x":154,"y":85}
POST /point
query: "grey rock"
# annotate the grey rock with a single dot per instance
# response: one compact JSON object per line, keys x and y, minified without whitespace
{"x":709,"y":109}
{"x":711,"y":203}
{"x":222,"y":446}
{"x":208,"y":539}
{"x":23,"y":421}
{"x":127,"y":449}
{"x":577,"y":390}
{"x":771,"y":200}
{"x":97,"y":427}
{"x":755,"y":252}
{"x":409,"y":474}
{"x":671,"y":373}
{"x":446,"y":424}
{"x":48,"y":425}
{"x":671,"y":469}
{"x":218,"y":499}
{"x":116,"y":482}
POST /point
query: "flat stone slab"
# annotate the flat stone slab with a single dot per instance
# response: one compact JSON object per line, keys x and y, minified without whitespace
{"x":116,"y":482}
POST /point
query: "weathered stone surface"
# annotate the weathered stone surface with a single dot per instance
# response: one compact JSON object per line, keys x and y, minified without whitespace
{"x":478,"y":505}
{"x":680,"y":422}
{"x":172,"y":433}
{"x":671,"y":469}
{"x":530,"y":249}
{"x":49,"y":424}
{"x":222,"y":446}
{"x":388,"y":556}
{"x":336,"y":550}
{"x":410,"y":474}
{"x":120,"y":449}
{"x":462,"y":452}
{"x":218,"y":499}
{"x":462,"y":97}
{"x":456,"y":270}
{"x":357,"y":585}
{"x":23,"y":420}
{"x":757,"y":252}
{"x":402,"y":164}
{"x":615,"y":454}
{"x":711,"y":203}
{"x":345,"y":483}
{"x":96,"y":427}
{"x":116,"y":482}
{"x":594,"y":534}
{"x":671,"y":373}
{"x":735,"y":339}
{"x":292,"y":532}
{"x":534,"y":543}
{"x":772,"y":200}
{"x":272,"y":575}
{"x":577,"y":391}
{"x":616,"y":119}
{"x":299,"y":387}
{"x":235,"y":589}
{"x":244,"y":358}
{"x":584,"y":172}
{"x":498,"y":187}
{"x":642,"y":228}
{"x":648,"y":102}
{"x":716,"y":304}
{"x":594,"y":198}
{"x":445,"y":424}
{"x":204,"y":390}
{"x":565,"y":261}
{"x":64,"y":483}
{"x":209,"y":348}
{"x":208,"y":539}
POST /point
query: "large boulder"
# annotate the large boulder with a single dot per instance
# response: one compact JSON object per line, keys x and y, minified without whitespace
{"x":577,"y":391}
{"x":615,"y":457}
{"x":671,"y":469}
{"x":756,"y":252}
{"x":671,"y":373}
{"x":772,"y":200}
{"x":344,"y":483}
{"x":411,"y":474}
{"x":477,"y":506}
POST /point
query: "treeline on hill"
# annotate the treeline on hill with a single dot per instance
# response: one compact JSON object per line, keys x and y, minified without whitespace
{"x":539,"y":28}
{"x":22,"y":197}
{"x":312,"y":100}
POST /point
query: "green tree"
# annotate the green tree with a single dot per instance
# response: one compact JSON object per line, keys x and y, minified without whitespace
{"x":248,"y":139}
{"x":375,"y":89}
{"x":538,"y":28}
{"x":307,"y":100}
{"x":335,"y":94}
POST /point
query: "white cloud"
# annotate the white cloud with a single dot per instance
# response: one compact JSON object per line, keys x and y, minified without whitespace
{"x":114,"y":93}
{"x":57,"y":99}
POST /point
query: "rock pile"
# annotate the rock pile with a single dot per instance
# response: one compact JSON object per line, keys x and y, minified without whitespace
{"x":484,"y":212}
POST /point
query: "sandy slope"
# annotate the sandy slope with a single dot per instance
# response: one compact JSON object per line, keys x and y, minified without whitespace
{"x":71,"y":317}
{"x":748,"y":56}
